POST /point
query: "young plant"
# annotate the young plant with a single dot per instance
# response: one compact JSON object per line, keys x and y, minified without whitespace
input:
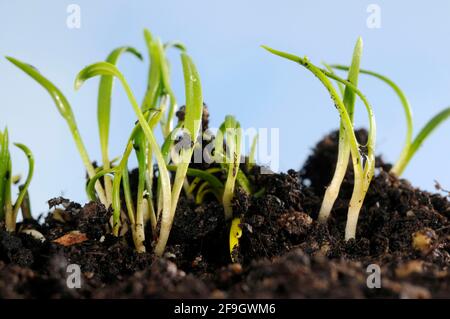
{"x":411,"y":145}
{"x":229,"y":157}
{"x":8,"y":210}
{"x":104,"y":113}
{"x":363,"y":169}
{"x":65,"y":110}
{"x":105,"y":68}
{"x":332,"y":190}
{"x":191,"y":125}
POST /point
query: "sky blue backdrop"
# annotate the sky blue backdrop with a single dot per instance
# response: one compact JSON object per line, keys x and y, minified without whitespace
{"x":412,"y":46}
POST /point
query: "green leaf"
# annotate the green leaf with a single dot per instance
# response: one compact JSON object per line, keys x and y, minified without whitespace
{"x":213,"y":181}
{"x":5,"y":172}
{"x":105,"y":68}
{"x":233,"y":132}
{"x":104,"y":100}
{"x":349,"y":94}
{"x":192,"y":122}
{"x":154,"y":81}
{"x":24,"y":188}
{"x":90,"y":187}
{"x":403,"y":99}
{"x":349,"y":98}
{"x":194,"y":97}
{"x":175,"y":44}
{"x":58,"y":97}
{"x":167,"y":88}
{"x":406,"y":109}
{"x":362,"y":174}
{"x":341,"y":87}
{"x":65,"y":110}
{"x":424,"y":133}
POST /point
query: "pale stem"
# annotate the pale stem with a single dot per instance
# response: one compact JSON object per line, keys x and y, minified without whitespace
{"x":332,"y":190}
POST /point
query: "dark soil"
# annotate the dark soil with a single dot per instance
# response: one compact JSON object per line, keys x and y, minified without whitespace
{"x":283,"y":253}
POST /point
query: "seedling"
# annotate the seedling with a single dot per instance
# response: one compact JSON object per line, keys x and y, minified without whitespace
{"x":411,"y":145}
{"x":104,"y":113}
{"x":8,"y":210}
{"x":191,"y":126}
{"x":229,"y":157}
{"x":363,"y":169}
{"x":332,"y":190}
{"x":65,"y":110}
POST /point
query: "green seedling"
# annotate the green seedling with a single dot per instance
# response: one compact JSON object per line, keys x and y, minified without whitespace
{"x":8,"y":210}
{"x":363,"y":169}
{"x":230,"y":134}
{"x":191,"y":125}
{"x":104,"y":113}
{"x":66,"y":112}
{"x":332,"y":190}
{"x":105,"y":68}
{"x":411,"y":145}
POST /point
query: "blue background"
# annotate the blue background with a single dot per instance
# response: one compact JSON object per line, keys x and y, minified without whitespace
{"x":412,"y":47}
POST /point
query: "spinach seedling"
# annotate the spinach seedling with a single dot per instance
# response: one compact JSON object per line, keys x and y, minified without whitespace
{"x":363,"y":169}
{"x":8,"y":210}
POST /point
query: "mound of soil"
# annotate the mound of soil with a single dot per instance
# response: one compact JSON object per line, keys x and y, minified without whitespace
{"x":283,"y":253}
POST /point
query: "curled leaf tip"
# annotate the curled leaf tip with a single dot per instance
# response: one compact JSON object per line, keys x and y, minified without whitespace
{"x":78,"y":82}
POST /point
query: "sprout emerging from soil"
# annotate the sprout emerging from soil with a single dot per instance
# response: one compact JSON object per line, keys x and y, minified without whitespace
{"x":332,"y":190}
{"x":8,"y":210}
{"x":104,"y":113}
{"x":143,"y":140}
{"x":230,"y":134}
{"x":363,"y":165}
{"x":105,"y":68}
{"x":411,"y":145}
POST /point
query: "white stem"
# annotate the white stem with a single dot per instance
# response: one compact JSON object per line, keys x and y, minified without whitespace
{"x":332,"y":190}
{"x":107,"y":179}
{"x":354,"y":207}
{"x":167,"y":220}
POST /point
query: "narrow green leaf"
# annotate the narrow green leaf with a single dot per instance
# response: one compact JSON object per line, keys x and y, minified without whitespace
{"x":154,"y":86}
{"x":208,"y":177}
{"x":349,"y":95}
{"x":4,"y":171}
{"x":194,"y":97}
{"x":90,"y":186}
{"x":105,"y":68}
{"x":58,"y":97}
{"x":424,"y":133}
{"x":175,"y":44}
{"x":341,"y":87}
{"x":24,"y":188}
{"x":233,"y":132}
{"x":65,"y":110}
{"x":363,"y":174}
{"x":104,"y":100}
{"x":407,"y":110}
{"x":192,"y":122}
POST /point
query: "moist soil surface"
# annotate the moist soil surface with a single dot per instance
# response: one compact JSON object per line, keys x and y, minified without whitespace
{"x":283,"y":252}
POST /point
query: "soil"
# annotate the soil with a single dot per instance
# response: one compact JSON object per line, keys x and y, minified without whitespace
{"x":283,"y":253}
